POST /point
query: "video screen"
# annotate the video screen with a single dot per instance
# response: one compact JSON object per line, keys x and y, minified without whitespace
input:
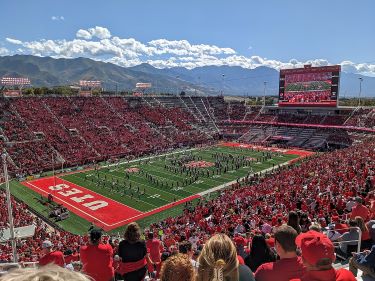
{"x":311,"y":86}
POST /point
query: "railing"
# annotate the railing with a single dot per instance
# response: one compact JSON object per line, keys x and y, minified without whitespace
{"x":348,"y":242}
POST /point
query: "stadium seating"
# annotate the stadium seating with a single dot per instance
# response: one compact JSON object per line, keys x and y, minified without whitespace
{"x":39,"y":133}
{"x":252,"y":202}
{"x":79,"y":130}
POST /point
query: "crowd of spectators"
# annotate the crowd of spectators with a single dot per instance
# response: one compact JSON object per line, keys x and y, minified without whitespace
{"x":363,"y":117}
{"x":80,"y":130}
{"x":240,"y":232}
{"x":334,"y":191}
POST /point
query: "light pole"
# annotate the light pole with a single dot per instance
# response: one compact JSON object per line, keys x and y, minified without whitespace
{"x":10,"y":210}
{"x":222,"y":84}
{"x":178,"y":86}
{"x":264,"y":93}
{"x":360,"y":91}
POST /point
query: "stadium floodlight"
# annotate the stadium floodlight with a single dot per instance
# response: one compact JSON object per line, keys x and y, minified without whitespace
{"x":264,"y":93}
{"x":9,"y":205}
{"x":222,"y":84}
{"x":360,"y":91}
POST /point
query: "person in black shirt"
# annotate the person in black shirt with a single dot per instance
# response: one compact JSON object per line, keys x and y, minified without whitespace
{"x":133,"y":253}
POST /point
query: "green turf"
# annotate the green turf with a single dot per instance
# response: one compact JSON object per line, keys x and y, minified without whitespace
{"x":74,"y":223}
{"x":155,"y":195}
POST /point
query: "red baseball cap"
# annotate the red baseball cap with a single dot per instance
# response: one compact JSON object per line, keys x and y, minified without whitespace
{"x":315,"y":246}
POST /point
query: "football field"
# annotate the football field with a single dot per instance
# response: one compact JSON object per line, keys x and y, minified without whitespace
{"x":115,"y":194}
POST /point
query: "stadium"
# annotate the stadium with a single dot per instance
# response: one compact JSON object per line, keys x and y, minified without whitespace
{"x":181,"y":175}
{"x":106,"y":160}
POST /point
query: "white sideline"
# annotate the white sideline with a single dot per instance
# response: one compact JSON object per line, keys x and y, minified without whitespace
{"x":153,"y":156}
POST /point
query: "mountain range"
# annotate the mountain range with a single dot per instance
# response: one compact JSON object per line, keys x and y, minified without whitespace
{"x":229,"y":80}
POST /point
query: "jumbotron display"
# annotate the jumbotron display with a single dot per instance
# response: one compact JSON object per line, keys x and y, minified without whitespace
{"x":309,"y":86}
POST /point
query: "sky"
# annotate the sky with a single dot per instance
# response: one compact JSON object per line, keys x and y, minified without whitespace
{"x":169,"y":33}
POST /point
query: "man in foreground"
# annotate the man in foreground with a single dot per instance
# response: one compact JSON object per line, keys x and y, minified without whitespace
{"x":318,"y":254}
{"x":290,"y":265}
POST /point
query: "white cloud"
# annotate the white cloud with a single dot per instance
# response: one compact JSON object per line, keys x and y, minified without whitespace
{"x":100,"y":32}
{"x":4,"y":51}
{"x":83,"y":34}
{"x":57,"y":18}
{"x":184,"y":48}
{"x":97,"y":43}
{"x":13,"y":41}
{"x":97,"y":31}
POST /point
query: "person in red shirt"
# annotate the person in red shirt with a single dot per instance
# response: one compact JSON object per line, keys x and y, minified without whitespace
{"x":360,"y":210}
{"x":70,"y":257}
{"x":240,"y":243}
{"x":97,"y":258}
{"x":290,"y":265}
{"x":270,"y":240}
{"x":341,"y":226}
{"x":154,"y":248}
{"x":169,"y":241}
{"x":318,"y":254}
{"x":50,"y":256}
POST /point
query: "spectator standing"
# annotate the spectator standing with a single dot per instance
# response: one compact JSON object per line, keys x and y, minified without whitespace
{"x":290,"y":265}
{"x":360,"y":210}
{"x":154,"y":248}
{"x":133,"y":253}
{"x":49,"y":256}
{"x":96,"y":258}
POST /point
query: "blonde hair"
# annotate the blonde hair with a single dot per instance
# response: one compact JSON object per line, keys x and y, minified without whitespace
{"x":316,"y":227}
{"x":218,"y":260}
{"x":44,"y":273}
{"x":177,"y":267}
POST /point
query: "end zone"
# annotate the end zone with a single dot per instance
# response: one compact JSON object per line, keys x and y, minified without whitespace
{"x":93,"y":207}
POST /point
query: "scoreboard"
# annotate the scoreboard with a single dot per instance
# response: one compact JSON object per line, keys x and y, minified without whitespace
{"x":309,"y":86}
